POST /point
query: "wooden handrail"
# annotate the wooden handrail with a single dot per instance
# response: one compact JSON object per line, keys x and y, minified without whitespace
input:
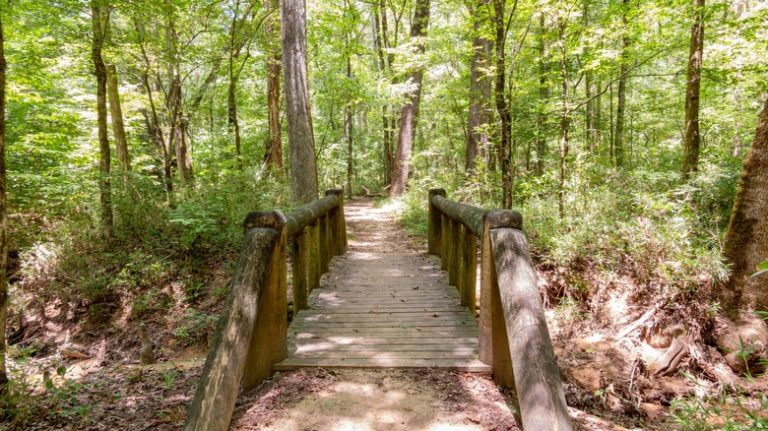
{"x":252,"y":332}
{"x":514,"y":338}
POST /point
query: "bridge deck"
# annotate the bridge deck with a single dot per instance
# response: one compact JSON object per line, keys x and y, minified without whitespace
{"x":383,"y":306}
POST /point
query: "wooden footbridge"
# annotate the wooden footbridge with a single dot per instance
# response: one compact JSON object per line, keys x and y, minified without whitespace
{"x":383,"y":309}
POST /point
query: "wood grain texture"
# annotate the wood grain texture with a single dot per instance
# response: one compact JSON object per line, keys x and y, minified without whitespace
{"x":384,"y":310}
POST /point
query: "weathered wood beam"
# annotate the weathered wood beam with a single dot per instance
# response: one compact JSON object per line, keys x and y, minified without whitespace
{"x":339,"y":223}
{"x":300,"y":254}
{"x":302,"y":216}
{"x":434,"y":224}
{"x":445,"y":238}
{"x":536,"y":375}
{"x":469,"y":216}
{"x":469,"y":268}
{"x":257,"y":274}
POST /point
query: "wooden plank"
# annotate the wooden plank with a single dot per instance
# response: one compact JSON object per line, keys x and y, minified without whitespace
{"x":399,"y":287}
{"x":379,"y":354}
{"x":386,"y":324}
{"x":473,"y":365}
{"x":349,"y":341}
{"x":435,"y":331}
{"x":319,"y":346}
{"x":387,"y":309}
{"x":409,"y":292}
{"x":385,"y":317}
{"x":369,"y":305}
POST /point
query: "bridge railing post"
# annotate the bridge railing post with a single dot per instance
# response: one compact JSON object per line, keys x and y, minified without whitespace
{"x":434,"y":224}
{"x":300,"y":266}
{"x":313,"y":230}
{"x":251,"y":334}
{"x":324,"y":247}
{"x":338,"y":223}
{"x":523,"y":356}
{"x":468,"y":268}
{"x":513,"y":332}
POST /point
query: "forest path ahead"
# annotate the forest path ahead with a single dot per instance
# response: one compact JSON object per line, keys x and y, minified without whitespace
{"x":383,"y":304}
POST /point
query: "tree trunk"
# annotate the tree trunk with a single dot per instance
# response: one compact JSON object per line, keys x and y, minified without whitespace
{"x":116,"y":112}
{"x":348,"y":120}
{"x":564,"y":123}
{"x":157,"y":130}
{"x":505,"y":144}
{"x":589,"y":112}
{"x":541,"y":115}
{"x":235,"y":47}
{"x":598,"y":120}
{"x":3,"y":221}
{"x":175,"y":105}
{"x":379,"y":35}
{"x":178,"y":131}
{"x":274,"y":146}
{"x":692,"y":139}
{"x":300,"y":135}
{"x":618,"y":146}
{"x":349,"y":128}
{"x":746,"y":240}
{"x":232,"y":120}
{"x":479,"y":89}
{"x":100,"y":16}
{"x":410,"y":112}
{"x":612,"y":132}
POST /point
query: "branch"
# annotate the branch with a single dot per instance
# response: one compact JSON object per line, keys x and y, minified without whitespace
{"x":623,"y":75}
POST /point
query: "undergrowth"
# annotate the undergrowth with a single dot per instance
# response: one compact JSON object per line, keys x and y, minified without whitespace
{"x":721,"y":412}
{"x":650,"y":226}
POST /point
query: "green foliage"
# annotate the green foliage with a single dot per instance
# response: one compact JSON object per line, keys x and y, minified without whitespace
{"x":60,"y":399}
{"x":727,"y":413}
{"x":761,"y":269}
{"x":169,"y":377}
{"x":195,"y":325}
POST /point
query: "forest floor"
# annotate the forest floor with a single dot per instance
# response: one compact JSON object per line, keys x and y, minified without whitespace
{"x":607,"y":383}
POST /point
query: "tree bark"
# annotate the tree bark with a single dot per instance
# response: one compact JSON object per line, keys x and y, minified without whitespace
{"x":479,"y":89}
{"x":618,"y":146}
{"x":175,"y":104}
{"x":300,"y":135}
{"x":611,"y":125}
{"x":234,"y":54}
{"x":388,"y":112}
{"x":99,"y":19}
{"x":692,"y":138}
{"x":541,"y":115}
{"x":3,"y":221}
{"x":116,"y":112}
{"x":379,"y":24}
{"x":178,"y":135}
{"x":410,"y":112}
{"x":348,"y":117}
{"x":157,"y":131}
{"x":746,"y":240}
{"x":505,"y":144}
{"x":598,"y":121}
{"x":564,"y":122}
{"x":274,"y":146}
